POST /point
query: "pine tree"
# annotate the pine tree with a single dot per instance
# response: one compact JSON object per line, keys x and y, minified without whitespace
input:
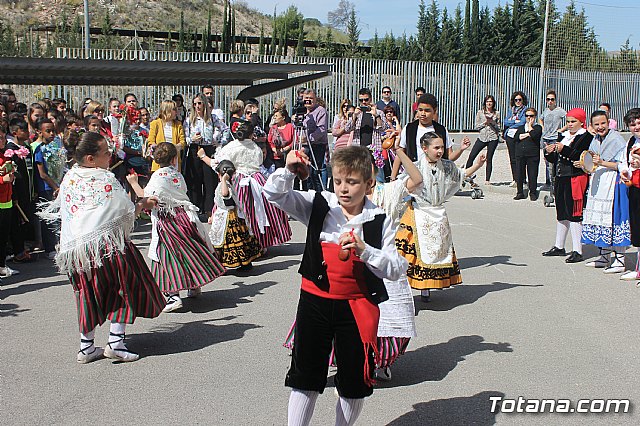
{"x":403,"y":48}
{"x":423,"y":29}
{"x":475,"y":31}
{"x":376,"y":48}
{"x":300,"y":47}
{"x":466,"y":34}
{"x":447,"y":41}
{"x":75,"y":39}
{"x":389,"y":48}
{"x":261,"y":47}
{"x":431,"y":50}
{"x":353,"y":34}
{"x":181,"y":35}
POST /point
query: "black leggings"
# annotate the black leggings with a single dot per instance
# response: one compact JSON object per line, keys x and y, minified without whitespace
{"x":201,"y":179}
{"x":479,"y":146}
{"x":511,"y":147}
{"x":5,"y":228}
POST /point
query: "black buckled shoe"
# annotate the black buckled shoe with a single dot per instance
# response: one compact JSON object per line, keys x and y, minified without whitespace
{"x":555,"y":251}
{"x":574,"y":257}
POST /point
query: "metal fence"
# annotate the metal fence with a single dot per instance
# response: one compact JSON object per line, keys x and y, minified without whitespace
{"x":460,"y":88}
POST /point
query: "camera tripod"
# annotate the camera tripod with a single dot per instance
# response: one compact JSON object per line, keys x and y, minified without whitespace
{"x":297,"y":145}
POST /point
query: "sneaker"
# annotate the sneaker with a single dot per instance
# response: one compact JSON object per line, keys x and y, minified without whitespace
{"x":614,"y":269}
{"x":194,"y":292}
{"x":24,"y":257}
{"x":51,"y":255}
{"x":555,"y":251}
{"x":85,"y":356}
{"x":6,"y":272}
{"x":630,"y":276}
{"x":174,"y":302}
{"x":383,"y":374}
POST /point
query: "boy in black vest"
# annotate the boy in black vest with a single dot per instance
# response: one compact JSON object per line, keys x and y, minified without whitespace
{"x":424,"y":123}
{"x":350,"y":248}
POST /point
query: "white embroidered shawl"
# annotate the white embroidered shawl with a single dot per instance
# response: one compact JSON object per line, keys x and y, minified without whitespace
{"x":169,"y":186}
{"x":97,"y":217}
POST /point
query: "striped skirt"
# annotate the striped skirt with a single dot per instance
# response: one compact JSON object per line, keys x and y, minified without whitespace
{"x":120,"y":290}
{"x":390,"y":349}
{"x":185,"y":260}
{"x":278,"y":232}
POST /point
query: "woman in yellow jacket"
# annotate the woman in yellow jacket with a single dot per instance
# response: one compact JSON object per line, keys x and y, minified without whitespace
{"x":166,"y":128}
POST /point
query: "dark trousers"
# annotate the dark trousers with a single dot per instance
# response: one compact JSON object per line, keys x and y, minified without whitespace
{"x":49,"y":238}
{"x":315,"y":175}
{"x":479,"y":146}
{"x":511,"y":147}
{"x":528,"y":165}
{"x":319,"y":323}
{"x":201,"y":179}
{"x":18,"y":231}
{"x":5,"y":229}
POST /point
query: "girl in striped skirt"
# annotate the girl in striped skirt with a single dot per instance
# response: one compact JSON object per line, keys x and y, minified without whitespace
{"x":182,"y":258}
{"x":267,"y":222}
{"x":107,"y":272}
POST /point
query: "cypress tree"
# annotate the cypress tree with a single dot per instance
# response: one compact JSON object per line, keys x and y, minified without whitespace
{"x":466,"y":34}
{"x":261,"y":47}
{"x":423,"y":29}
{"x":300,"y":47}
{"x":274,"y":34}
{"x":181,"y":35}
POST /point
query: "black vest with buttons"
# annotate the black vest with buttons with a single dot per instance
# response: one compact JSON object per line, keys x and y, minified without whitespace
{"x":413,"y":144}
{"x":313,"y":266}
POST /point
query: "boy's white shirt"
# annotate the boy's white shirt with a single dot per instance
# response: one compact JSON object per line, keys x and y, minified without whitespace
{"x":384,"y":262}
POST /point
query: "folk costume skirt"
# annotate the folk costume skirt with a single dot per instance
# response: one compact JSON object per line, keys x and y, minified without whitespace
{"x":185,"y":260}
{"x":278,"y":231}
{"x":239,"y":247}
{"x":420,"y":275}
{"x":120,"y":290}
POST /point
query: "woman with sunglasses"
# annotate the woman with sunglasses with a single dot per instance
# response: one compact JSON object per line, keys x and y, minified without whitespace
{"x":340,"y":135}
{"x":527,"y":152}
{"x":511,"y":124}
{"x":488,"y":123}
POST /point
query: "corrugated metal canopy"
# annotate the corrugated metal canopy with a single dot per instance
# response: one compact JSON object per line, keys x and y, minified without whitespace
{"x":146,"y":73}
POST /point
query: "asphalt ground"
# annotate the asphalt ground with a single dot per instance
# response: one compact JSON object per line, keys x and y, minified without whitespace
{"x":520,"y":325}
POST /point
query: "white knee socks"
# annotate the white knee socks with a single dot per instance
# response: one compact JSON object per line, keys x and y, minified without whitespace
{"x":576,"y":236}
{"x":301,"y":406}
{"x":348,"y":410}
{"x":562,"y":229}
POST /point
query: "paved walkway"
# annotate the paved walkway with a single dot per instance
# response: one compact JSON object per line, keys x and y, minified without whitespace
{"x":520,"y":325}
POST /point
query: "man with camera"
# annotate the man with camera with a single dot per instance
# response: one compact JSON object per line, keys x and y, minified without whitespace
{"x":315,"y":124}
{"x":367,"y":124}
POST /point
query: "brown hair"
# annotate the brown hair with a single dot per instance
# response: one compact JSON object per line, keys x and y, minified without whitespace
{"x":355,"y":159}
{"x":164,"y":153}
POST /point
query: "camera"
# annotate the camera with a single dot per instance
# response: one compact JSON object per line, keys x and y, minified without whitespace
{"x":299,"y":112}
{"x":365,"y":108}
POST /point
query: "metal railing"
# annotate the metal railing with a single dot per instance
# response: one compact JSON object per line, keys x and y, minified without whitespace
{"x":460,"y":88}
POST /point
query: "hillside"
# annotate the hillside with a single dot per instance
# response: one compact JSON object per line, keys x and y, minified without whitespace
{"x":161,"y":15}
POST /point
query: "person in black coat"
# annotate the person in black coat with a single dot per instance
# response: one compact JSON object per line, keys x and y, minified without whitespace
{"x":570,"y":184}
{"x":527,"y":139}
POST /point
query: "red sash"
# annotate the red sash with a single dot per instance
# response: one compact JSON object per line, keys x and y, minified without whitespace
{"x":578,"y":188}
{"x":346,"y":282}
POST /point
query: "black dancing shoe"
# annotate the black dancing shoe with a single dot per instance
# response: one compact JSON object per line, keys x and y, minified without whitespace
{"x":555,"y":251}
{"x":519,"y":197}
{"x":574,"y":257}
{"x":533,"y":196}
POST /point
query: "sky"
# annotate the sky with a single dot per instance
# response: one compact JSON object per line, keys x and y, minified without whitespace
{"x":613,"y":21}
